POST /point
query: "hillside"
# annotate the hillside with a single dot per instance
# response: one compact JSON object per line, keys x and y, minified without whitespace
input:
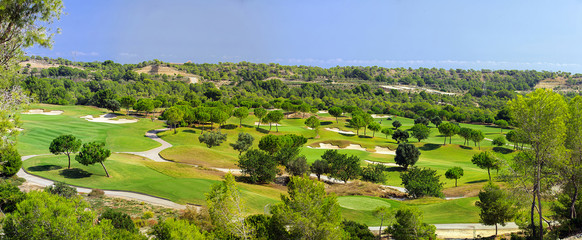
{"x":157,"y":69}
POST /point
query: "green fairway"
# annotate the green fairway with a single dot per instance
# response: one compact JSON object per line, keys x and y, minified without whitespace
{"x":179,"y":183}
{"x":40,"y":130}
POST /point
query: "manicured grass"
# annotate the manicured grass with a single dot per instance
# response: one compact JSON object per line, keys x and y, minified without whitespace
{"x":40,"y":130}
{"x":177,"y":182}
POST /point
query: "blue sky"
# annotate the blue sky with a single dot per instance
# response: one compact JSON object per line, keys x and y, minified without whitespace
{"x":540,"y":35}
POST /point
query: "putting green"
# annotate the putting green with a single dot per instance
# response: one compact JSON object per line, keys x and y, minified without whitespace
{"x":361,"y":203}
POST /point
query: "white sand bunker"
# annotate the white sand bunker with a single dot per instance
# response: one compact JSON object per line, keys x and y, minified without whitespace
{"x":355,"y":147}
{"x":382,"y":150}
{"x":323,"y":111}
{"x":266,"y":124}
{"x":383,"y":163}
{"x":380,"y":116}
{"x":108,"y":118}
{"x":42,"y":112}
{"x":337,"y":130}
{"x":325,"y":146}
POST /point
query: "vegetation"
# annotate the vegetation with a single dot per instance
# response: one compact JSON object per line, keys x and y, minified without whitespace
{"x":406,"y":155}
{"x":65,"y":144}
{"x":422,"y":182}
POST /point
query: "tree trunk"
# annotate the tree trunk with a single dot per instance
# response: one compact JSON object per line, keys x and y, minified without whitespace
{"x":336,"y":120}
{"x":69,"y":155}
{"x":373,"y":134}
{"x":538,"y":180}
{"x":450,"y":139}
{"x":106,"y":173}
{"x":533,"y":204}
{"x":495,"y":229}
{"x":445,"y":143}
{"x":455,"y":182}
{"x":318,"y":177}
{"x":240,"y":123}
{"x":489,"y":173}
{"x":175,"y":129}
{"x":277,"y":126}
{"x":259,"y":125}
{"x":573,"y":203}
{"x":270,"y":126}
{"x":380,"y":230}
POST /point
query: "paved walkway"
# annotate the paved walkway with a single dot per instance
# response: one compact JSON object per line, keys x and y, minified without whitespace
{"x":154,"y":154}
{"x":466,"y":230}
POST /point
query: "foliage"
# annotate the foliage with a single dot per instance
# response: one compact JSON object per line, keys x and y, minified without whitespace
{"x":501,"y":124}
{"x":422,"y":120}
{"x":61,"y":189}
{"x":308,"y":211}
{"x":420,"y":131}
{"x":499,"y":141}
{"x":297,"y":166}
{"x":10,"y":195}
{"x":266,"y":227}
{"x":226,"y":207}
{"x":387,"y":131}
{"x":384,"y":214}
{"x":400,"y":136}
{"x":335,"y":111}
{"x":173,"y":116}
{"x":119,"y":220}
{"x":10,"y":161}
{"x":496,"y":208}
{"x":241,"y":113}
{"x":486,"y":160}
{"x":448,"y":130}
{"x":375,"y":127}
{"x":374,"y":173}
{"x":243,"y":143}
{"x":454,"y":173}
{"x":436,"y":121}
{"x":212,"y":139}
{"x":409,"y":226}
{"x":357,"y":231}
{"x":320,"y":167}
{"x":422,"y":182}
{"x":93,"y":152}
{"x":65,"y":144}
{"x":406,"y":155}
{"x":260,"y":113}
{"x":46,"y":216}
{"x":357,"y":122}
{"x":396,"y":124}
{"x":341,"y":166}
{"x":260,"y":166}
{"x":312,"y":122}
{"x":173,"y":229}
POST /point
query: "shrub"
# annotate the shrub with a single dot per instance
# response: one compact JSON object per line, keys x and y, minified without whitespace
{"x":147,"y":215}
{"x":61,"y":189}
{"x":119,"y":220}
{"x":212,"y":139}
{"x":422,"y":182}
{"x":96,"y":193}
{"x":499,"y":141}
{"x":374,"y":173}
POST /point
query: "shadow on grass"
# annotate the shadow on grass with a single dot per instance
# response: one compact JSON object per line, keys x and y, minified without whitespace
{"x":229,"y":126}
{"x":430,"y":147}
{"x":75,"y":173}
{"x":479,"y":181}
{"x":325,"y":123}
{"x":502,"y":150}
{"x":189,"y":131}
{"x":362,"y":136}
{"x":394,"y":169}
{"x":43,"y":168}
{"x":246,"y":179}
{"x":465,"y":147}
{"x":262,"y":130}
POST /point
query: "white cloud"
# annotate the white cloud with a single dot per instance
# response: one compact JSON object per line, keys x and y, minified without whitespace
{"x":79,"y":53}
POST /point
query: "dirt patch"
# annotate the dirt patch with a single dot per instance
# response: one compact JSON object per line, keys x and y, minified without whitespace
{"x":43,"y":112}
{"x":41,"y":64}
{"x":360,"y":188}
{"x":551,"y":83}
{"x":471,"y":190}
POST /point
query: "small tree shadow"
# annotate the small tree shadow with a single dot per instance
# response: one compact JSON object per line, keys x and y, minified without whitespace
{"x":502,"y":150}
{"x":429,"y":147}
{"x":394,"y":169}
{"x":465,"y":147}
{"x":43,"y":168}
{"x":229,"y":126}
{"x":478,"y":181}
{"x":262,"y":130}
{"x":362,"y":136}
{"x":75,"y":173}
{"x":325,"y":123}
{"x":189,"y":131}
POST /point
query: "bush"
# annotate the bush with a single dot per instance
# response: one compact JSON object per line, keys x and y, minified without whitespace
{"x":119,"y":220}
{"x":374,"y":173}
{"x":499,"y":141}
{"x":357,"y":230}
{"x":11,"y":161}
{"x":96,"y":193}
{"x":212,"y":139}
{"x":422,"y":182}
{"x":147,"y":215}
{"x":61,"y":189}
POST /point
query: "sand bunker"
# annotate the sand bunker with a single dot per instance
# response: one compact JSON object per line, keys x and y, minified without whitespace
{"x":266,"y":124}
{"x":325,"y":146}
{"x":383,"y":163}
{"x":382,"y":150}
{"x":337,"y":130}
{"x":324,"y":111}
{"x":42,"y":112}
{"x":108,"y":118}
{"x":355,"y":147}
{"x":380,"y":116}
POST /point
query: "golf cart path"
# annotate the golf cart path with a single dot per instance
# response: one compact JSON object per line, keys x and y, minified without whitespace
{"x":154,"y":154}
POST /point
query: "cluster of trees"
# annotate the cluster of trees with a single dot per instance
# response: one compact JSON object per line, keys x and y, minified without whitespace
{"x":90,"y":153}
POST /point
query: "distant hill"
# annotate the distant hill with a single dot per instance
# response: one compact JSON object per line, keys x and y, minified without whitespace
{"x":170,"y":71}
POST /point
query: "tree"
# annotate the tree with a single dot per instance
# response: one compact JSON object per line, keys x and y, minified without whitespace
{"x":396,"y":124}
{"x":65,"y":144}
{"x":357,"y":230}
{"x":25,"y":24}
{"x":436,"y":121}
{"x":477,"y":136}
{"x":304,"y":108}
{"x":308,"y":211}
{"x":226,"y":207}
{"x":112,"y":105}
{"x":61,"y":189}
{"x":243,"y":143}
{"x":422,"y":120}
{"x":454,"y":173}
{"x":499,"y":141}
{"x":465,"y":133}
{"x":486,"y":160}
{"x":212,"y":139}
{"x":448,"y":130}
{"x":400,"y":136}
{"x":173,"y":116}
{"x":312,"y":122}
{"x":422,"y":182}
{"x":501,"y":124}
{"x":127,"y":102}
{"x":93,"y":152}
{"x":297,"y":166}
{"x":241,"y":113}
{"x":336,"y":112}
{"x":406,"y":155}
{"x":119,"y":220}
{"x":46,"y":216}
{"x":341,"y":166}
{"x":260,"y":113}
{"x":319,"y":167}
{"x":144,"y":104}
{"x":10,"y":196}
{"x":357,"y":122}
{"x":174,"y":229}
{"x":375,"y":127}
{"x":275,"y":117}
{"x":409,"y":225}
{"x":496,"y":208}
{"x":570,"y":168}
{"x":213,"y":93}
{"x":387,"y":131}
{"x":10,"y":161}
{"x":260,"y":166}
{"x":383,"y":213}
{"x":420,"y":131}
{"x":374,"y":173}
